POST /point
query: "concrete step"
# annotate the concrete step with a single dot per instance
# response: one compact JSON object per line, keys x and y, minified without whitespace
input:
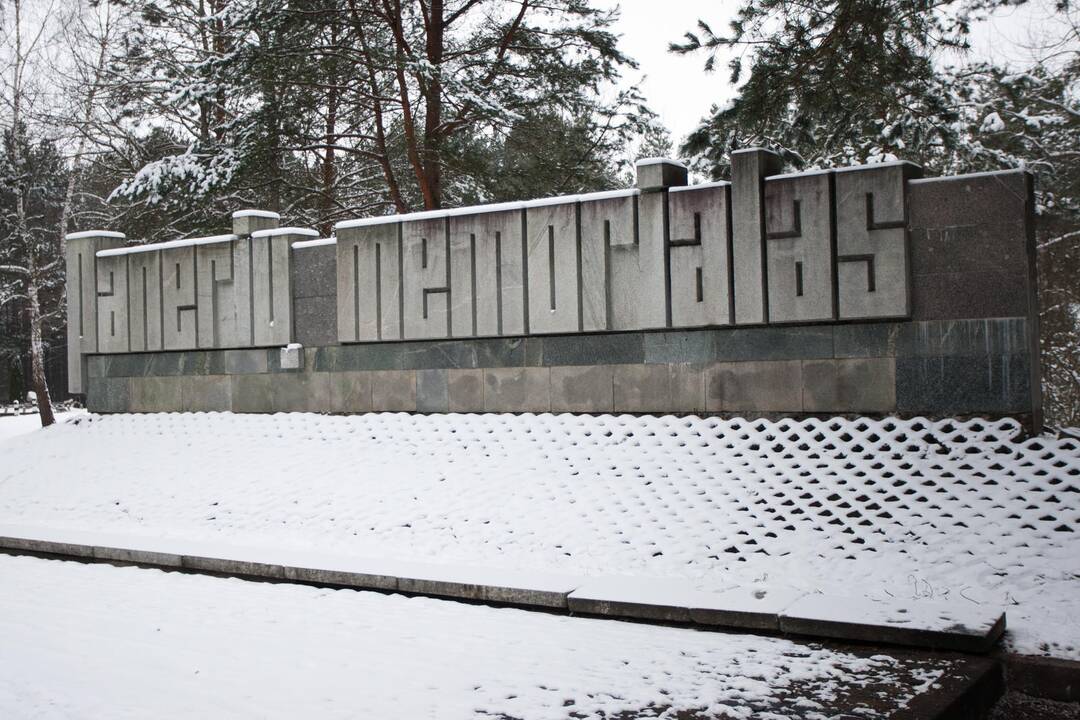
{"x":943,"y":626}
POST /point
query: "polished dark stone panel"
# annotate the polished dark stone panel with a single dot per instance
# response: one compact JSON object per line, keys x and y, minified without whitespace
{"x":438,"y":354}
{"x":773,"y":343}
{"x":996,"y":336}
{"x":863,"y":340}
{"x":945,"y":296}
{"x":609,"y":349}
{"x":109,"y":395}
{"x":963,"y":384}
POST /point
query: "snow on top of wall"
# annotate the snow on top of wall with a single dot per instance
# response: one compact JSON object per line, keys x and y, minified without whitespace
{"x":657,"y":161}
{"x":94,"y":233}
{"x":319,"y":242}
{"x":170,"y":245}
{"x":274,"y":232}
{"x":256,"y":213}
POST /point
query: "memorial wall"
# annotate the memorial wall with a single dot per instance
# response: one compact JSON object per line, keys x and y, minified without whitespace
{"x":861,"y":290}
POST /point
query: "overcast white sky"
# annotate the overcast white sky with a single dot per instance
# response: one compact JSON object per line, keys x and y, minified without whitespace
{"x":678,"y":89}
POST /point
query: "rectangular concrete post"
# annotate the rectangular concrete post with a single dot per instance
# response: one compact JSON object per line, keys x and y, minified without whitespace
{"x":81,"y":263}
{"x":749,"y":168}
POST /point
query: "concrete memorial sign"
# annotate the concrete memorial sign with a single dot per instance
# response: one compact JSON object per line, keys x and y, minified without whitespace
{"x":776,"y":293}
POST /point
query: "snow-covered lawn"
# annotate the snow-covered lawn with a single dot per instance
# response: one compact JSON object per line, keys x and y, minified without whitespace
{"x":904,"y":509}
{"x":94,"y":641}
{"x":13,"y":426}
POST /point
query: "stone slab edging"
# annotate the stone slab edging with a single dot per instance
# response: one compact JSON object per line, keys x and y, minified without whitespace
{"x":941,"y":626}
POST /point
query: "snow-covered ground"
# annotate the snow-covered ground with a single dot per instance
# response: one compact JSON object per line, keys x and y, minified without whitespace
{"x":878,"y":509}
{"x":149,"y":644}
{"x":13,"y":426}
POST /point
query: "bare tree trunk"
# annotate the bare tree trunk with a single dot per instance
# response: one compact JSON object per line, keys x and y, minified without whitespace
{"x":37,"y":354}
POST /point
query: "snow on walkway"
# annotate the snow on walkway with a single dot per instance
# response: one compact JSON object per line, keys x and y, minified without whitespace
{"x":14,"y":426}
{"x":145,"y":643}
{"x":904,"y":509}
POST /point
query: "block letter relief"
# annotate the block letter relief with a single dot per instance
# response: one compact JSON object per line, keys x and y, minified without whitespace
{"x":112,"y":314}
{"x":218,"y":297}
{"x":144,"y":301}
{"x":426,"y":275}
{"x":270,"y":290}
{"x":487,"y":291}
{"x":178,"y":299}
{"x":873,"y":276}
{"x":82,"y":299}
{"x":749,"y":168}
{"x":699,"y":247}
{"x":369,"y":283}
{"x":553,"y":263}
{"x":622,"y":263}
{"x":799,"y":247}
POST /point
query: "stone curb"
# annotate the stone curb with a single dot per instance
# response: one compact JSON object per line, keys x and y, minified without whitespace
{"x":1043,"y":677}
{"x":566,"y":594}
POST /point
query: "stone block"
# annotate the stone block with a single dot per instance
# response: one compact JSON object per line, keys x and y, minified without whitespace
{"x":301,"y":392}
{"x":993,"y":336}
{"x":144,"y":300}
{"x":156,"y":394}
{"x":553,"y":268}
{"x":178,"y":300}
{"x":517,"y":390}
{"x":873,"y":274}
{"x":799,"y":247}
{"x":773,"y":343}
{"x":699,"y":249}
{"x":350,"y":392}
{"x":314,"y":271}
{"x":857,"y":340}
{"x":440,"y":354}
{"x":252,"y":393}
{"x":487,"y":277}
{"x":225,"y":566}
{"x":594,"y":349}
{"x":425,"y":247}
{"x":677,"y":346}
{"x":112,"y":304}
{"x":749,"y":168}
{"x":432,"y":391}
{"x":945,"y":296}
{"x":206,"y":393}
{"x":369,"y":283}
{"x":137,"y":557}
{"x":658,"y":173}
{"x":393,"y":390}
{"x":291,"y":357}
{"x":946,"y":626}
{"x":992,"y":198}
{"x":466,"y":390}
{"x":946,"y":385}
{"x":582,"y":389}
{"x":505,"y":352}
{"x":239,"y":362}
{"x":342,"y":578}
{"x":756,"y":386}
{"x":375,"y":356}
{"x":245,"y":222}
{"x":534,"y":351}
{"x":858,"y":385}
{"x":751,"y":608}
{"x":108,"y":395}
{"x":661,"y":388}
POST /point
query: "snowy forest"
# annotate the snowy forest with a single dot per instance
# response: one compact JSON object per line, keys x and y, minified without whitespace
{"x":157,"y":118}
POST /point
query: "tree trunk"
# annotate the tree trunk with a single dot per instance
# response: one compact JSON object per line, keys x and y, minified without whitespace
{"x":37,"y":354}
